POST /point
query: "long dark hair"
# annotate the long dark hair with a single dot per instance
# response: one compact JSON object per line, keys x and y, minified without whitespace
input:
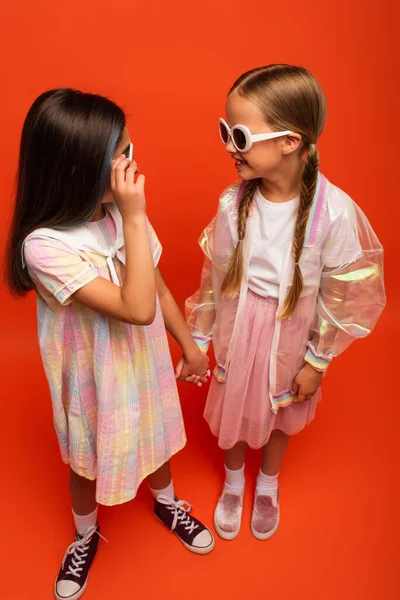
{"x":67,"y":144}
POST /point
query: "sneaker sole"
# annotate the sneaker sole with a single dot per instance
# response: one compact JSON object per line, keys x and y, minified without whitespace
{"x":193,"y":549}
{"x":265,"y":536}
{"x":75,"y":596}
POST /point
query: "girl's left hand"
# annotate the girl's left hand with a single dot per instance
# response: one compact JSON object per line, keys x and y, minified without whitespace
{"x":306,"y":383}
{"x":193,"y":368}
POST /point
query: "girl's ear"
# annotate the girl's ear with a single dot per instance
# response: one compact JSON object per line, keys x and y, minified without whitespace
{"x":291,"y":143}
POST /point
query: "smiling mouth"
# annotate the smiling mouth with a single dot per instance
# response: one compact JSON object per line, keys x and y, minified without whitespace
{"x":239,"y":162}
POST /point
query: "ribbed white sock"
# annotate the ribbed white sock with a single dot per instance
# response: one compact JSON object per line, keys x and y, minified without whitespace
{"x":267,"y":485}
{"x":168,"y":491}
{"x":234,"y":480}
{"x":83,"y":522}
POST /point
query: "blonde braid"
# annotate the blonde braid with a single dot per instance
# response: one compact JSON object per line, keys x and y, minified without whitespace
{"x":233,"y":278}
{"x":307,"y":191}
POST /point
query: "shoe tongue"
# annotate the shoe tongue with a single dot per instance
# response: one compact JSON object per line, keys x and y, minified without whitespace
{"x":173,"y":500}
{"x":80,"y":536}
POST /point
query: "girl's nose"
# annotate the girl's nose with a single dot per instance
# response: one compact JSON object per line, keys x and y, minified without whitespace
{"x":230,"y":147}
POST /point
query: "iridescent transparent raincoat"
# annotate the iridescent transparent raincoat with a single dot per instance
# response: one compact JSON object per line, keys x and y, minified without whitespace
{"x":342,"y":298}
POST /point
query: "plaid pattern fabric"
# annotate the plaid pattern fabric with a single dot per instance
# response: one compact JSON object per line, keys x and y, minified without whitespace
{"x":116,"y":408}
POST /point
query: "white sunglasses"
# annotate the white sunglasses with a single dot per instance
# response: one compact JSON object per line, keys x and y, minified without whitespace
{"x":242,"y":138}
{"x":128,"y":151}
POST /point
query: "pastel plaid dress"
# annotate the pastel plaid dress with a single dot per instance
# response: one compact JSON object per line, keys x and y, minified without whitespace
{"x":116,"y":407}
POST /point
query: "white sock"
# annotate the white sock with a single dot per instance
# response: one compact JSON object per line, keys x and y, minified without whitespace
{"x":267,"y":485}
{"x":168,"y":491}
{"x":234,"y":480}
{"x":83,"y":522}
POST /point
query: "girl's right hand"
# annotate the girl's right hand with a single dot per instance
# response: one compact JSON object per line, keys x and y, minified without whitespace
{"x":196,"y":379}
{"x":128,"y":194}
{"x":306,"y":383}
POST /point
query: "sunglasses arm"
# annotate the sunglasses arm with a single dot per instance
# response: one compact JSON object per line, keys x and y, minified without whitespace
{"x":259,"y":137}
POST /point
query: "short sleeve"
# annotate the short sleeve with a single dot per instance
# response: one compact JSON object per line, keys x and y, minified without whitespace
{"x":342,"y":245}
{"x":155,"y":245}
{"x":57,"y":268}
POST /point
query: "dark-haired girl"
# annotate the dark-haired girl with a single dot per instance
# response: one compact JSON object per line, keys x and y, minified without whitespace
{"x":81,"y":239}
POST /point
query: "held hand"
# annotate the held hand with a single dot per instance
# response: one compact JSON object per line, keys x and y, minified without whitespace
{"x":128,"y":195}
{"x":195,"y":364}
{"x":193,"y":369}
{"x":306,"y":383}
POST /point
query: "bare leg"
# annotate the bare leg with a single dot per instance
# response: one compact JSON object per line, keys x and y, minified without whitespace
{"x":161,"y":478}
{"x":234,"y":457}
{"x":83,"y":494}
{"x":273,"y":452}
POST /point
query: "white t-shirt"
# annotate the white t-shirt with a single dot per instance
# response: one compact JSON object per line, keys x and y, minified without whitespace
{"x":272,"y":236}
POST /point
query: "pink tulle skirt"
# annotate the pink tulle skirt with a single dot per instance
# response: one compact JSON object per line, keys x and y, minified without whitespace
{"x":239,"y":410}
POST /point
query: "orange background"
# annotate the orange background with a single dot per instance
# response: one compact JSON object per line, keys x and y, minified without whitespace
{"x":170,"y":64}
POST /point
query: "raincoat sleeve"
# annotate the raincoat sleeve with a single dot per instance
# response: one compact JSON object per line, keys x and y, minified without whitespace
{"x":200,"y":307}
{"x":351,"y":295}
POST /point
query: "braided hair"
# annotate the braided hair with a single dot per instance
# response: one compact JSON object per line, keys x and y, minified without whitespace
{"x":291,"y":99}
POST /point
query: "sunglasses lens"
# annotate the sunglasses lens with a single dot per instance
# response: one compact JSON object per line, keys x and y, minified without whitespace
{"x":239,"y":138}
{"x":223,"y":133}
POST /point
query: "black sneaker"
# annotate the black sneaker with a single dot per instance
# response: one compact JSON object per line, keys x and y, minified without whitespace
{"x":73,"y":576}
{"x":175,"y":515}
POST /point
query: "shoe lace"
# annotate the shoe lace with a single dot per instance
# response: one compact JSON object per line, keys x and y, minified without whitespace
{"x":79,"y":550}
{"x":180,"y":509}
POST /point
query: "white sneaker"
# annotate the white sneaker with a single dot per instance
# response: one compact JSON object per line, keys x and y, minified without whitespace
{"x":265,"y":517}
{"x":228,"y":514}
